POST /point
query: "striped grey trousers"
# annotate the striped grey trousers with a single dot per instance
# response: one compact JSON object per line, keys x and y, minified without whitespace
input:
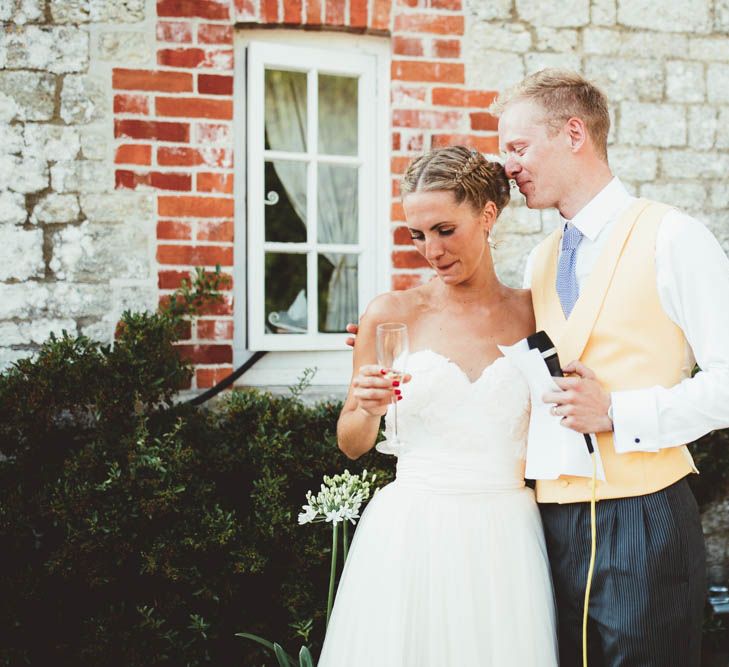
{"x":648,"y":589}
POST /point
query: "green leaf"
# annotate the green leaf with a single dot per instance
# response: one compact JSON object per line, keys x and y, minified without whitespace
{"x":305,"y":659}
{"x":257,"y":639}
{"x":284,"y":660}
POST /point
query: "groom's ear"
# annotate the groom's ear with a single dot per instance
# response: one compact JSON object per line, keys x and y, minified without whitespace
{"x":576,"y":132}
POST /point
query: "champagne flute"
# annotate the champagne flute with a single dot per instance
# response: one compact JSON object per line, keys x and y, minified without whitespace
{"x":392,"y":352}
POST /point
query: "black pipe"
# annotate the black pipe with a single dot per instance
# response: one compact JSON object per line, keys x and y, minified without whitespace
{"x":228,"y":380}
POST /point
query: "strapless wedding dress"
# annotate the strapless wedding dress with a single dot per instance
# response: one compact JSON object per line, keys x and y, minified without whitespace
{"x":448,"y":566}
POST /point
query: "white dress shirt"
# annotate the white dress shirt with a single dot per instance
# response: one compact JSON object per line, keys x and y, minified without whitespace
{"x":692,"y":276}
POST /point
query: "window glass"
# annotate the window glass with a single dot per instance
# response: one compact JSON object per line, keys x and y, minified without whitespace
{"x":337,"y":291}
{"x":337,"y":115}
{"x":285,"y":110}
{"x":285,"y":209}
{"x":285,"y":287}
{"x":337,"y":204}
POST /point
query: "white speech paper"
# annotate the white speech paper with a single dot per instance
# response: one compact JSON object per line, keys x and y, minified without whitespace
{"x":552,"y":449}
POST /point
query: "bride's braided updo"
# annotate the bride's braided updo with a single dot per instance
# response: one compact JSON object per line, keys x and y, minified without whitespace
{"x":463,"y":171}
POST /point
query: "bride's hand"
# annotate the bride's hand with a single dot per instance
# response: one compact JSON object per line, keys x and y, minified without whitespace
{"x":373,"y":391}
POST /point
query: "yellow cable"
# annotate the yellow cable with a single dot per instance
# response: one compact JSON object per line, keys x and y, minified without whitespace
{"x":593,"y":549}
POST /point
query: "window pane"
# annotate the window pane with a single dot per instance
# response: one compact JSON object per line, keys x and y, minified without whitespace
{"x":338,"y":204}
{"x":337,"y":115}
{"x":338,"y":293}
{"x":285,"y":201}
{"x":285,"y":111}
{"x":285,"y":290}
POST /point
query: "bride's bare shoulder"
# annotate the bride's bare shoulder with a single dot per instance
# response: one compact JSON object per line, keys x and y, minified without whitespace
{"x":523,"y":298}
{"x":401,"y":305}
{"x":522,"y":311}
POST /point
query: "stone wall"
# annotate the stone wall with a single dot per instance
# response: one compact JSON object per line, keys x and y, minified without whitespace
{"x":73,"y":251}
{"x":91,"y":142}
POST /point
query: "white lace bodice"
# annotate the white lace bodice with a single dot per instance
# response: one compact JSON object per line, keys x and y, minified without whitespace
{"x":459,"y":435}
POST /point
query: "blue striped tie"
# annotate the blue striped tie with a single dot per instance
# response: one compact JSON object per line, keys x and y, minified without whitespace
{"x":567,"y":288}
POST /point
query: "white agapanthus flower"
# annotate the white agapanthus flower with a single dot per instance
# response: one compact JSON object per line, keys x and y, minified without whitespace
{"x":339,"y":499}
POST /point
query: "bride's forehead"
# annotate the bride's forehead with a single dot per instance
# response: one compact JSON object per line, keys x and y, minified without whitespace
{"x":425,"y":206}
{"x":429,"y":198}
{"x":423,"y":210}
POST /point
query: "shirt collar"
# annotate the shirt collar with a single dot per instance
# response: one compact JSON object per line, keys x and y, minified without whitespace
{"x":600,"y":209}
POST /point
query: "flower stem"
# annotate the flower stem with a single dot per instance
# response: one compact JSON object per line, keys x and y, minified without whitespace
{"x":345,"y":536}
{"x":332,"y":571}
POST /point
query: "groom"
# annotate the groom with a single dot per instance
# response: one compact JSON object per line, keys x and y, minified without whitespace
{"x":632,"y":292}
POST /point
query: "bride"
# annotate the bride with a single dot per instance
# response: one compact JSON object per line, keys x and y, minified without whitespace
{"x":448,"y":566}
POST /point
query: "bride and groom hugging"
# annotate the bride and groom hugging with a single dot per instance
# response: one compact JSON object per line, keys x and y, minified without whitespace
{"x":454,"y":564}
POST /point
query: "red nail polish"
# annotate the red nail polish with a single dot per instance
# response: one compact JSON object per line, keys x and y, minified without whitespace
{"x":383,"y":371}
{"x":395,"y":384}
{"x":399,"y":398}
{"x":397,"y":392}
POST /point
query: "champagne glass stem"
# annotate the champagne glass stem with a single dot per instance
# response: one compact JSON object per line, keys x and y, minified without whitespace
{"x":394,"y":400}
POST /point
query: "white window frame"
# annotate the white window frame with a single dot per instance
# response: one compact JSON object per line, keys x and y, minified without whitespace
{"x":370,"y":63}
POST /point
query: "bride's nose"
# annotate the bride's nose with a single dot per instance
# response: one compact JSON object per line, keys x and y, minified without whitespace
{"x":433,"y":248}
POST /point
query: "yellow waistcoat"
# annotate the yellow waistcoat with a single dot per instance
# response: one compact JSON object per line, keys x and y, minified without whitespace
{"x":619,"y":330}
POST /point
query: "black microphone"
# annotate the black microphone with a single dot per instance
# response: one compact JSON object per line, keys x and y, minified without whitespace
{"x":542,"y":342}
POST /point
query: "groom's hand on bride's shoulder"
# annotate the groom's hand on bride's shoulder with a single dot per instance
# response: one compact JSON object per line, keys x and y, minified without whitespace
{"x":354,"y":330}
{"x":582,"y":403}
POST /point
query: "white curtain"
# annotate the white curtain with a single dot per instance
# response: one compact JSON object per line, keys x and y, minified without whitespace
{"x":286,"y":131}
{"x":337,"y":192}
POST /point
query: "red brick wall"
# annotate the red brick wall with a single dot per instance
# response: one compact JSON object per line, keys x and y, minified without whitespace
{"x":173,"y":127}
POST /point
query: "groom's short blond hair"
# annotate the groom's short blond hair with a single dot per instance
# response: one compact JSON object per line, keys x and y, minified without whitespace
{"x":563,"y":95}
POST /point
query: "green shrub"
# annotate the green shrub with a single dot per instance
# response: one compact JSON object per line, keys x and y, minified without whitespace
{"x":136,"y":532}
{"x":711,"y":455}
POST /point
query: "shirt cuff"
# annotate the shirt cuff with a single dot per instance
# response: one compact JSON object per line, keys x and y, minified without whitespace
{"x":635,"y":421}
